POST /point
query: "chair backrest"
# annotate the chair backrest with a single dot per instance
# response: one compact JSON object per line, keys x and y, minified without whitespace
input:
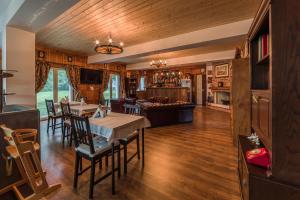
{"x":82,"y":132}
{"x":65,"y":110}
{"x":50,"y":107}
{"x":132,"y":109}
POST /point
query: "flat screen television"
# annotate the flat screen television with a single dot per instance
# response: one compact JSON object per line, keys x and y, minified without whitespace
{"x":90,"y":76}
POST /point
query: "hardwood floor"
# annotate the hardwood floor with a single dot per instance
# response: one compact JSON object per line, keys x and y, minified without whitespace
{"x":187,"y":161}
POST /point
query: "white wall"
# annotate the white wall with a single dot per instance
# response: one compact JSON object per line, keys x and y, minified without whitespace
{"x":18,"y":53}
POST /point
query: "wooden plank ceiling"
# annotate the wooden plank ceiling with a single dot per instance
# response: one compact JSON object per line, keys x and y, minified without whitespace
{"x":138,"y":21}
{"x":204,"y":49}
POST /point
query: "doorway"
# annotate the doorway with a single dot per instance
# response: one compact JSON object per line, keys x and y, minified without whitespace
{"x":56,"y":88}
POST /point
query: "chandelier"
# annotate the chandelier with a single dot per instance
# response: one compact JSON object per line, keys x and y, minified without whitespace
{"x":110,"y":47}
{"x":158,"y":63}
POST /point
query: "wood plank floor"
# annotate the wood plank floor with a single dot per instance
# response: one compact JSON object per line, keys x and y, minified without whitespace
{"x":187,"y":161}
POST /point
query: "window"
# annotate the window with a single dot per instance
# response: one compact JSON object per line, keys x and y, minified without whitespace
{"x":63,"y":87}
{"x":113,"y":89}
{"x":142,"y":83}
{"x":56,"y":88}
{"x":46,"y":93}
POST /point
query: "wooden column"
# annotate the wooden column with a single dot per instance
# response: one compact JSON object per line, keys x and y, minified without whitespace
{"x":240,"y":98}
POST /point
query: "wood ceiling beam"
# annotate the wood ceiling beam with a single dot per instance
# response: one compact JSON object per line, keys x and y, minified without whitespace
{"x":178,"y":42}
{"x":188,"y":60}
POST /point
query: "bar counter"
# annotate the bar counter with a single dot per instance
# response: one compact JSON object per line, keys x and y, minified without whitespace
{"x":173,"y":93}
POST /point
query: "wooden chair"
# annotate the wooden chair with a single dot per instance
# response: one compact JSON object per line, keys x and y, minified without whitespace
{"x":32,"y":171}
{"x":132,"y":110}
{"x":66,"y":129}
{"x":52,"y":116}
{"x":92,"y":149}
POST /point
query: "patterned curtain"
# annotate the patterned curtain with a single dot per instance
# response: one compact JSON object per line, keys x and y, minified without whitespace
{"x":73,"y":73}
{"x":105,"y":81}
{"x":42,"y":69}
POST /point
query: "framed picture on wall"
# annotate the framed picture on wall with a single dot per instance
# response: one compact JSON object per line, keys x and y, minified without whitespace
{"x":221,"y":70}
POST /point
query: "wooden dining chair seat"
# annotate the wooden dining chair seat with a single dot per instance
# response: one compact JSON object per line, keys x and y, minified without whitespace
{"x":130,"y":137}
{"x":100,"y":146}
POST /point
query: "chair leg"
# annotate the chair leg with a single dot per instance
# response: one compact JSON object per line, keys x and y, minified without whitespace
{"x":125,"y":158}
{"x":80,"y":164}
{"x":54,"y":126}
{"x":119,"y":161}
{"x":106,"y":162}
{"x":62,"y":128}
{"x":71,"y":137}
{"x":63,"y":134}
{"x":92,"y":177}
{"x":138,"y":147}
{"x":113,"y":191}
{"x":76,"y":170}
{"x":100,"y":163}
{"x":48,"y":125}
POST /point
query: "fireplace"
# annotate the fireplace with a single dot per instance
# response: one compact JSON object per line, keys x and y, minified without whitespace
{"x":221,"y":99}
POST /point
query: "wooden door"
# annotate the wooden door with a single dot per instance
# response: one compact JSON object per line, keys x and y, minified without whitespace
{"x":199,"y":90}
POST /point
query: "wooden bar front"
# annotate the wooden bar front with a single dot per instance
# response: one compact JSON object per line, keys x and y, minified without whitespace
{"x":174,"y":94}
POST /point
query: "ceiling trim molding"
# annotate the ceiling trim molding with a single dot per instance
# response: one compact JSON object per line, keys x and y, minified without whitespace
{"x":188,"y":60}
{"x":178,"y":42}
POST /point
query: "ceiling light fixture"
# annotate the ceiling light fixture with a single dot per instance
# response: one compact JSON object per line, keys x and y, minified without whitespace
{"x":158,"y":63}
{"x":110,"y":47}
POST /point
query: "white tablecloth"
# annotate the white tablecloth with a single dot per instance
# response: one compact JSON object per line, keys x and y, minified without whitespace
{"x":116,"y":125}
{"x":79,"y":110}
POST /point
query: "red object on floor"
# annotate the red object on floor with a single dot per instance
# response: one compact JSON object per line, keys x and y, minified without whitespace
{"x":259,"y":157}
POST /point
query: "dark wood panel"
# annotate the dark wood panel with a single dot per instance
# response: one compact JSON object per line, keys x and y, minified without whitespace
{"x":285,"y":90}
{"x":263,"y":113}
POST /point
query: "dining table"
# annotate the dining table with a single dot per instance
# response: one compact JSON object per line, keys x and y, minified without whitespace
{"x":117,"y":126}
{"x":71,"y":103}
{"x":83,"y":109}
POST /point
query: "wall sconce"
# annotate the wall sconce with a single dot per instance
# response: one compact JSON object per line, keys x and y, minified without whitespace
{"x":41,"y":54}
{"x":70,"y":59}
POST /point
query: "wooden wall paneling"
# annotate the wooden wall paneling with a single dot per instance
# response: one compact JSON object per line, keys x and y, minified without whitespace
{"x":59,"y":58}
{"x":240,"y":98}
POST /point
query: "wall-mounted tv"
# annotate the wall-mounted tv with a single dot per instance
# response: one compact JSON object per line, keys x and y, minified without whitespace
{"x":90,"y":76}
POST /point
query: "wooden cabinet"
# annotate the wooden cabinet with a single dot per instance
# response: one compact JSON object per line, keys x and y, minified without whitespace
{"x":275,"y":112}
{"x":261,"y":106}
{"x":256,"y":182}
